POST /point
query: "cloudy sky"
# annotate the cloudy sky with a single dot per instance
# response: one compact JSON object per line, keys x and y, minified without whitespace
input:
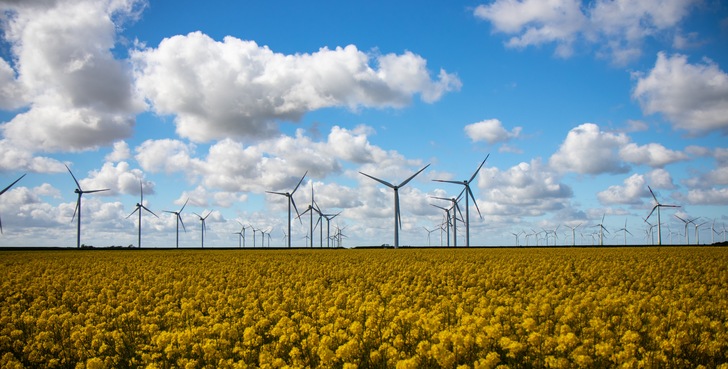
{"x":581,"y":106}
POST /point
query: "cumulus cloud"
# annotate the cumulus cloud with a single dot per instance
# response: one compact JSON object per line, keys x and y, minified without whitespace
{"x":528,"y":189}
{"x":691,"y":96}
{"x":119,"y":179}
{"x":78,"y":95}
{"x":652,"y":154}
{"x":236,"y":88}
{"x":18,"y":158}
{"x":120,"y":152}
{"x":589,"y":150}
{"x":630,"y":193}
{"x":617,"y":28}
{"x":711,"y":196}
{"x":490,"y":131}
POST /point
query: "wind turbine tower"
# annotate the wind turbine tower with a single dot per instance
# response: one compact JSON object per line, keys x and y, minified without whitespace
{"x":203,"y":227}
{"x":397,"y":217}
{"x":179,"y":219}
{"x":289,"y":195}
{"x":657,"y":206}
{"x":139,"y":207}
{"x":80,"y":192}
{"x":468,"y":195}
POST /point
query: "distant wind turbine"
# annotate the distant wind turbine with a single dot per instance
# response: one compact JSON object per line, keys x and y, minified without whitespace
{"x":289,"y":195}
{"x":80,"y":192}
{"x":3,"y":191}
{"x":179,"y":219}
{"x":468,"y":195}
{"x":203,"y":227}
{"x":397,"y":217}
{"x":657,"y":206}
{"x":697,"y":232}
{"x":601,"y":231}
{"x":516,"y":235}
{"x":448,"y":221}
{"x":455,"y":210}
{"x":625,"y":231}
{"x":328,"y":218}
{"x":241,"y":239}
{"x":429,"y":233}
{"x":573,"y":234}
{"x":687,"y":221}
{"x":313,"y":208}
{"x":139,"y":207}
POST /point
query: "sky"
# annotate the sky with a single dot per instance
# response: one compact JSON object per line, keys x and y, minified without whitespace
{"x":579,"y":106}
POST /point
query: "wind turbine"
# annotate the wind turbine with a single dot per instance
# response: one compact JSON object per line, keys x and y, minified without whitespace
{"x":179,"y":219}
{"x":657,"y":206}
{"x":516,"y":236}
{"x":697,"y":232}
{"x":80,"y":193}
{"x":241,"y":239}
{"x":203,"y":228}
{"x":312,"y":208}
{"x":687,"y":221}
{"x":573,"y":234}
{"x":626,"y":231}
{"x":254,"y":230}
{"x":468,"y":195}
{"x":455,"y":210}
{"x":289,"y":195}
{"x":139,"y":207}
{"x":3,"y":191}
{"x":448,"y":222}
{"x":429,"y":233}
{"x":601,"y":230}
{"x":396,"y":188}
{"x":328,"y":218}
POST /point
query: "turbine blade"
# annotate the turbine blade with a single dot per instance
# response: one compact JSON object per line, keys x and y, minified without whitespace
{"x":78,"y":205}
{"x":183,"y":223}
{"x":11,"y":185}
{"x":132,"y":213}
{"x":92,"y":191}
{"x":653,"y":195}
{"x":379,"y":180}
{"x":208,"y":214}
{"x":141,"y":192}
{"x":440,"y":207}
{"x":447,"y":181}
{"x":413,"y":176}
{"x":299,"y":183}
{"x":478,"y":170}
{"x":145,"y":208}
{"x":474,"y":201}
{"x":183,"y":206}
{"x":277,"y":193}
{"x":298,"y":215}
{"x":652,"y":211}
{"x":74,"y":177}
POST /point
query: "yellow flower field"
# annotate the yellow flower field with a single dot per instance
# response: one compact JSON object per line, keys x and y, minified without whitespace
{"x":477,"y":308}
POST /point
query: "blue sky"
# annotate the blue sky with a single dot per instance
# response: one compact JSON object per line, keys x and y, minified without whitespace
{"x":581,"y":106}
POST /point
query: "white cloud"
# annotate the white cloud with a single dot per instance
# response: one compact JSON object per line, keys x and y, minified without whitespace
{"x":121,"y":152}
{"x":79,"y":95}
{"x":589,"y":150}
{"x":17,"y":158}
{"x":527,"y":189}
{"x":617,"y":28}
{"x":631,"y":193}
{"x":652,"y":154}
{"x":10,"y":90}
{"x":691,"y":96}
{"x":490,"y":131}
{"x":660,"y":178}
{"x":712,"y":196}
{"x":119,"y":179}
{"x":236,"y":88}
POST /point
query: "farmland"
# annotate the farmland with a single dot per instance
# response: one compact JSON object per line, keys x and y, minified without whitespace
{"x":478,"y":308}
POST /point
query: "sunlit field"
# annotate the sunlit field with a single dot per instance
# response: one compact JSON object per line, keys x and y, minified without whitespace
{"x":477,"y":308}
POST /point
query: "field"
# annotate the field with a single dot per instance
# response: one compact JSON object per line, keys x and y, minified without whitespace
{"x":478,"y":308}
